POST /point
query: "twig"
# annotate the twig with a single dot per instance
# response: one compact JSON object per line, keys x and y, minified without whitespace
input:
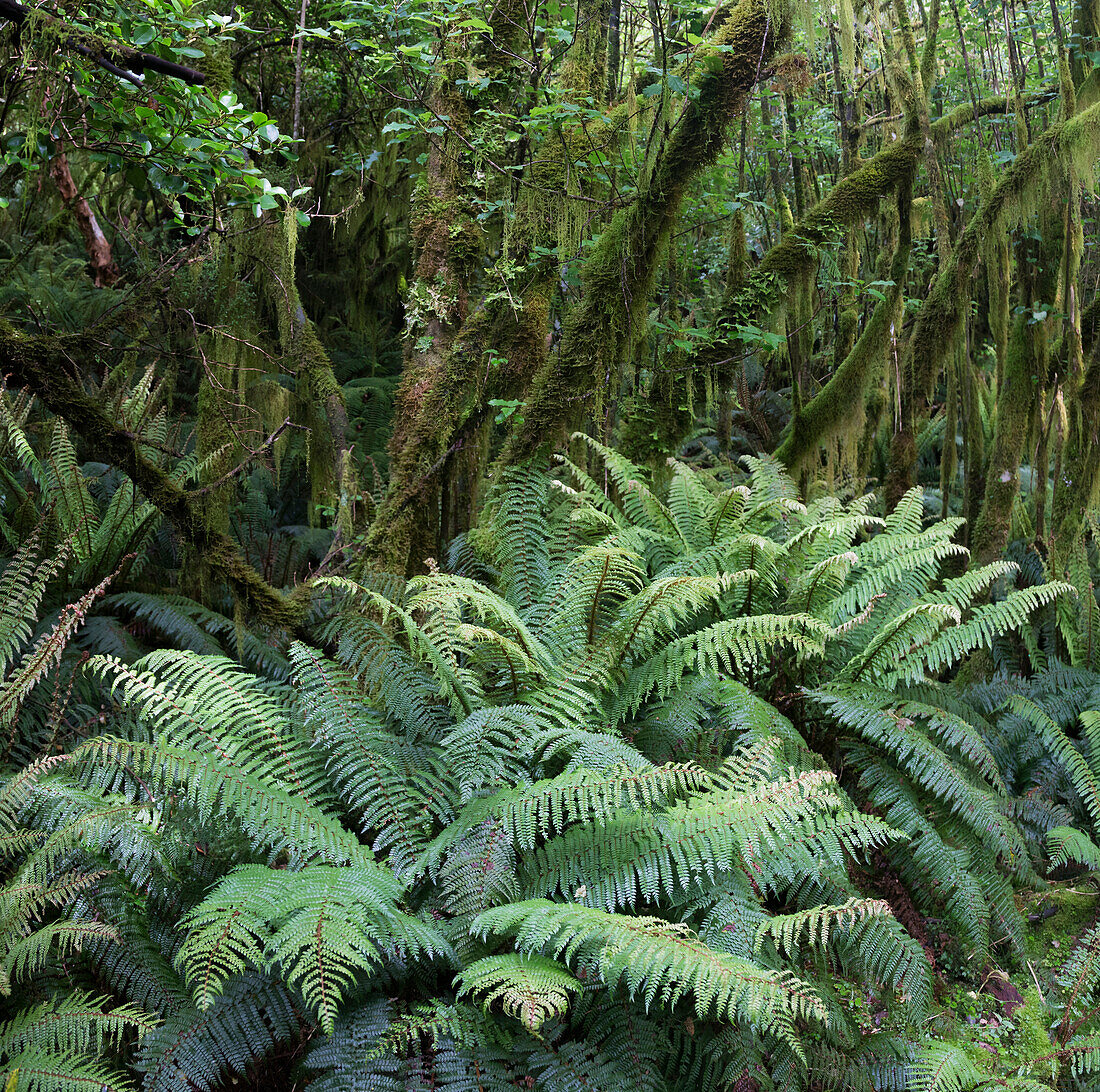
{"x":266,"y":445}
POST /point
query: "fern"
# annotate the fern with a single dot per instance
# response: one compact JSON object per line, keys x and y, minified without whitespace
{"x":529,"y":988}
{"x":605,"y":796}
{"x":320,"y":926}
{"x":273,"y":816}
{"x":944,"y":1068}
{"x":658,"y":962}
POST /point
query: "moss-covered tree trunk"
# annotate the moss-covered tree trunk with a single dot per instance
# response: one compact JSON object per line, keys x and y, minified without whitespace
{"x":1078,"y":486}
{"x":840,"y":405}
{"x":1024,"y":378}
{"x":493,"y":352}
{"x":618,"y":282}
{"x":941,"y":316}
{"x":1048,"y":279}
{"x":618,"y":278}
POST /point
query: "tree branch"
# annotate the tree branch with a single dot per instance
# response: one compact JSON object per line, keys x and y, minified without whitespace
{"x":44,"y":364}
{"x":123,"y":61}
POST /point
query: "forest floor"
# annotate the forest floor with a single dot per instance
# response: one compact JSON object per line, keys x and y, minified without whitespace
{"x":998,"y":1019}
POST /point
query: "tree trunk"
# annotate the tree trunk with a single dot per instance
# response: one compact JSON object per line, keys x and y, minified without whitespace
{"x":618,"y":278}
{"x":493,"y":352}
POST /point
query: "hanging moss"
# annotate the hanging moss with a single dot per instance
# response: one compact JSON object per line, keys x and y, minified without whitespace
{"x":267,"y":257}
{"x":437,"y":407}
{"x":1077,"y":489}
{"x":618,"y":277}
{"x":850,"y":201}
{"x":949,"y":456}
{"x":215,"y":443}
{"x":995,"y":259}
{"x":1024,"y":186}
{"x":972,"y":391}
{"x":836,"y":413}
{"x":1025,"y":374}
{"x":737,"y":254}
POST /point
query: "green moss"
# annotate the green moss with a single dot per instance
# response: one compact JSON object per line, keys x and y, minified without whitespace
{"x":848,"y":203}
{"x":837,"y":411}
{"x":1024,"y":379}
{"x":1051,"y":939}
{"x":1079,"y":485}
{"x":1031,"y":1039}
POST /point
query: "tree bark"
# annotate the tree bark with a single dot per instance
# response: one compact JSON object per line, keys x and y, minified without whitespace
{"x":101,"y":264}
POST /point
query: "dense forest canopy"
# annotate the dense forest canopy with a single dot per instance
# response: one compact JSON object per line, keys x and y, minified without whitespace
{"x":549,"y":545}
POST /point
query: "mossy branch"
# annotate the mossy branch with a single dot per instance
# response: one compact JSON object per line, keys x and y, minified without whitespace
{"x":941,"y":314}
{"x":44,"y":364}
{"x":840,"y":403}
{"x":108,"y":56}
{"x":618,"y":278}
{"x":854,"y":198}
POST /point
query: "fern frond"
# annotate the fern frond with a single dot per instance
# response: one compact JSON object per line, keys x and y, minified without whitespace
{"x":530,"y":988}
{"x":42,"y":1070}
{"x":727,"y":647}
{"x":985,"y":623}
{"x":1066,"y":844}
{"x":642,"y":506}
{"x":791,"y":931}
{"x":392,"y":785}
{"x":491,"y":747}
{"x":522,"y":552}
{"x":925,"y":764}
{"x":1063,"y":749}
{"x":74,"y":509}
{"x":210,"y":704}
{"x":75,"y":1024}
{"x":659,"y":962}
{"x":275,"y":819}
{"x":942,"y":1067}
{"x":45,"y":654}
{"x":528,"y":813}
{"x":194,"y":1050}
{"x":320,"y":927}
{"x":28,"y":955}
{"x":22,"y":586}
